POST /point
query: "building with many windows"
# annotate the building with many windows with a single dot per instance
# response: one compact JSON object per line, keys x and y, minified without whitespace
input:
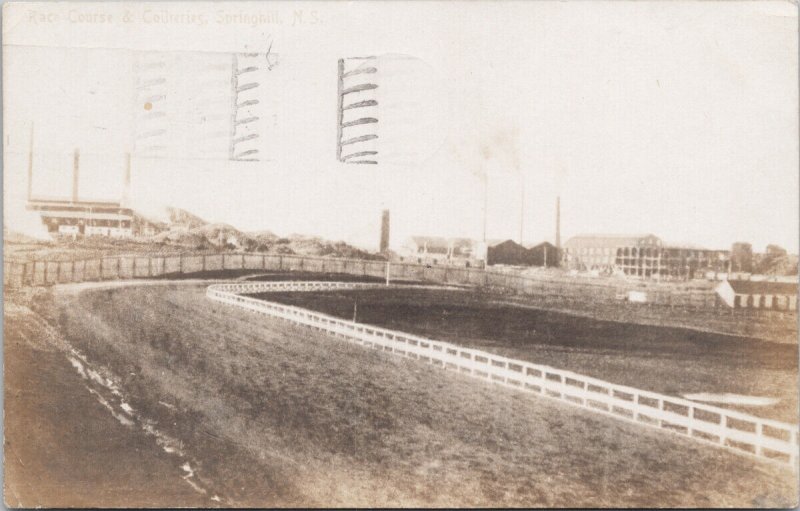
{"x":643,"y":255}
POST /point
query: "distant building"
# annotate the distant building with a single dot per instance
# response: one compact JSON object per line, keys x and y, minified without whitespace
{"x":508,"y":252}
{"x":632,"y":254}
{"x":686,"y":261}
{"x":85,"y":218}
{"x":643,"y":255}
{"x":760,"y":294}
{"x":438,"y":250}
{"x":544,"y":254}
{"x":79,"y":218}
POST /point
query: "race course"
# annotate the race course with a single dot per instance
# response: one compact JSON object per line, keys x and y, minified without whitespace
{"x":267,"y":413}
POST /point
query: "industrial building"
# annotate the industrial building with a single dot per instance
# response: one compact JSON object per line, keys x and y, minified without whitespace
{"x":439,"y":250}
{"x":73,"y":217}
{"x":465,"y":252}
{"x":544,"y":254}
{"x":643,"y":255}
{"x":507,"y":252}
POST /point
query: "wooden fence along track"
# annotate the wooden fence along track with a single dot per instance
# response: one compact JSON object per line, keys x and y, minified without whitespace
{"x":556,"y":290}
{"x":764,"y":439}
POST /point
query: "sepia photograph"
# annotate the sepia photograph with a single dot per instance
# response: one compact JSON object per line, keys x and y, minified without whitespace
{"x":405,"y":254}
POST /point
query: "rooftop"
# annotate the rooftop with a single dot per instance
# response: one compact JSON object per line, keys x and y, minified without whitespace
{"x":607,"y":240}
{"x":763,"y":287}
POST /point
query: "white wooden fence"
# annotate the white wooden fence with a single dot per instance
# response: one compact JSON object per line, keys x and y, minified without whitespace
{"x":762,"y":438}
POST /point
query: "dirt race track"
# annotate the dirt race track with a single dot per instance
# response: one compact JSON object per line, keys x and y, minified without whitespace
{"x":158,"y":397}
{"x":668,"y":360}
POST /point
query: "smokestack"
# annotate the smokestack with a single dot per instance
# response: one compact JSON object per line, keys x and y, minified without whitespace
{"x":75,"y":173}
{"x":30,"y":166}
{"x":384,"y":246}
{"x":126,"y":184}
{"x":558,"y":222}
{"x":521,"y":209}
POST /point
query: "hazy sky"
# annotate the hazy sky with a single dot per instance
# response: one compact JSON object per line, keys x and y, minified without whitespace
{"x":675,"y":118}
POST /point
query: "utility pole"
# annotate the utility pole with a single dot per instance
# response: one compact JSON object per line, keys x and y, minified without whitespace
{"x":485,"y":203}
{"x":558,"y":222}
{"x":559,"y":255}
{"x":30,"y":166}
{"x":340,"y":111}
{"x":521,"y":206}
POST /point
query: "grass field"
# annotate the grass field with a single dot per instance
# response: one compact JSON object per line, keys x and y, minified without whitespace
{"x":278,"y":415}
{"x":662,"y":359}
{"x":777,"y":327}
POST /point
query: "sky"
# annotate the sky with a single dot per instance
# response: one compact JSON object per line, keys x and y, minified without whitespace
{"x":672,"y":118}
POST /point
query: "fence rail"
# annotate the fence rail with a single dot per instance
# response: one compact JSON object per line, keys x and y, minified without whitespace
{"x":563,"y":290}
{"x":764,"y":439}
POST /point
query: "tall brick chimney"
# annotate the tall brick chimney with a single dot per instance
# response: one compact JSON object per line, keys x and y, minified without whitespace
{"x":384,"y":246}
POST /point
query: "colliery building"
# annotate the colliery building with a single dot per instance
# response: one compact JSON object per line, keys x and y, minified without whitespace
{"x":507,"y":252}
{"x":86,"y":218}
{"x":643,"y":255}
{"x":510,"y":253}
{"x":544,"y":254}
{"x":73,"y":217}
{"x":439,"y":250}
{"x":464,"y":252}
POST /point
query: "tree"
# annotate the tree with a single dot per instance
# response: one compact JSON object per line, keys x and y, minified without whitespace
{"x":742,"y":257}
{"x":775,"y":251}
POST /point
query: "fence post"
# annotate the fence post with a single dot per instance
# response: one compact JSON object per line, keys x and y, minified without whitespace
{"x":723,"y":437}
{"x":759,"y":434}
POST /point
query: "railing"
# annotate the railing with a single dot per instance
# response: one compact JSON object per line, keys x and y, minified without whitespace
{"x":561,"y":290}
{"x":762,"y":438}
